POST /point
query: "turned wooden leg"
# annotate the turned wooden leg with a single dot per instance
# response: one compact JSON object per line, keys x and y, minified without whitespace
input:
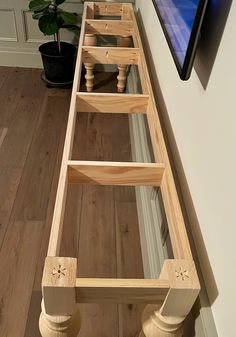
{"x":59,"y":326}
{"x":60,"y":315}
{"x":122,"y":41}
{"x":89,"y":40}
{"x":166,"y":320}
{"x":156,"y":325}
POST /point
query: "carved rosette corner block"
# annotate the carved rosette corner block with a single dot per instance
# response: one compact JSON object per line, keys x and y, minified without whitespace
{"x":184,"y":287}
{"x":58,"y":285}
{"x":60,"y":316}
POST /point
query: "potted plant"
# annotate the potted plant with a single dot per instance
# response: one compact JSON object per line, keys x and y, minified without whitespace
{"x":58,"y":57}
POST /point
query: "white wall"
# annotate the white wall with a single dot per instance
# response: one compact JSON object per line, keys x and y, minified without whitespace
{"x":203,"y":121}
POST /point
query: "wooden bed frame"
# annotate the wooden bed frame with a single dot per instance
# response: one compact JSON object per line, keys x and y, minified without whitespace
{"x":170,"y":298}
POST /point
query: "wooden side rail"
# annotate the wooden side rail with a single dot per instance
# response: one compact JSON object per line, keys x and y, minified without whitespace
{"x":172,"y":294}
{"x":169,"y":298}
{"x":121,"y":291}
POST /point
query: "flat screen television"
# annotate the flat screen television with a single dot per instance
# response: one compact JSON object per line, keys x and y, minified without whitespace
{"x":181,"y":22}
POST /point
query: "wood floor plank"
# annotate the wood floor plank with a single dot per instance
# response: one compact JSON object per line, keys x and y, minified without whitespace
{"x":11,"y":93}
{"x":52,"y":195}
{"x":91,"y":228}
{"x":97,"y":243}
{"x":129,"y":258}
{"x":3,"y":132}
{"x":32,"y":325}
{"x":15,"y":148}
{"x":35,"y":304}
{"x":18,"y":258}
{"x":89,"y":231}
{"x":4,"y":74}
{"x":38,"y":172}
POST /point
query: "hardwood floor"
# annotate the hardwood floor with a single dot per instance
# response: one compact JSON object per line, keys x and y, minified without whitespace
{"x":101,"y":226}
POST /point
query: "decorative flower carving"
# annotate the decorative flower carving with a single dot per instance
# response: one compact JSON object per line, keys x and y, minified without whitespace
{"x":59,"y":271}
{"x":182,"y":273}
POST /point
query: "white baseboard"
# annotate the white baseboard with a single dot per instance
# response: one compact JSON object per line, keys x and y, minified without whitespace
{"x":20,"y":58}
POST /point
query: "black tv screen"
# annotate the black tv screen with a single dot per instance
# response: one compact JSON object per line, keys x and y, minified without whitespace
{"x":181,"y":21}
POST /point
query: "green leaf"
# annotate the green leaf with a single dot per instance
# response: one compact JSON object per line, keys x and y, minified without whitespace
{"x":59,"y":2}
{"x":37,"y":16}
{"x":38,"y":5}
{"x":72,"y":28}
{"x":68,"y":18}
{"x":48,"y":24}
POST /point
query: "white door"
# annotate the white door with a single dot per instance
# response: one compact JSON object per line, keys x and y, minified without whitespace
{"x":20,"y":36}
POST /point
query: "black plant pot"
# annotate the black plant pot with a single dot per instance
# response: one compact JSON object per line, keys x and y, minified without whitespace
{"x":58,"y":68}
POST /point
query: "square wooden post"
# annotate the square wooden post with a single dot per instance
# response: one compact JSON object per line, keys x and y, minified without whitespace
{"x":60,"y":316}
{"x":167,"y":320}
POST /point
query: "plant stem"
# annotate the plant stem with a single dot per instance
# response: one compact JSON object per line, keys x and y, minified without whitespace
{"x":59,"y":41}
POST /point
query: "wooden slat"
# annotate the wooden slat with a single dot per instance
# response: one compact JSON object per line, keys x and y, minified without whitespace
{"x":110,"y":55}
{"x":126,"y":12}
{"x":111,"y":103}
{"x":115,"y":173}
{"x":109,"y":27}
{"x":108,"y":9}
{"x":58,"y":215}
{"x":177,"y":229}
{"x":121,"y":290}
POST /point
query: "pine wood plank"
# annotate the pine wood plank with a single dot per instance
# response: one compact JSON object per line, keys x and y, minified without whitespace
{"x":109,"y":27}
{"x":115,"y":173}
{"x":61,"y":108}
{"x":97,"y":242}
{"x":58,"y":215}
{"x":129,"y":261}
{"x":94,"y":138}
{"x":126,"y":11}
{"x":178,"y":234}
{"x":101,"y":290}
{"x":108,"y":9}
{"x":111,"y":55}
{"x":111,"y":103}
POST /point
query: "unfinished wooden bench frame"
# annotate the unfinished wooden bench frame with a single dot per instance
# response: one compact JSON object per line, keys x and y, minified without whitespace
{"x":169,"y":298}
